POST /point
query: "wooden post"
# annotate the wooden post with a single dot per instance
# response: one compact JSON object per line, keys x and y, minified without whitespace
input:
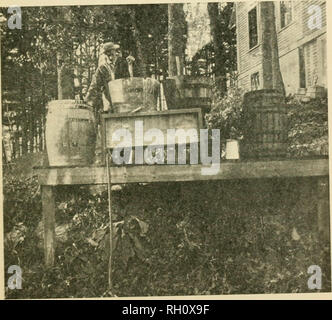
{"x":323,"y":219}
{"x":48,"y":207}
{"x":323,"y":209}
{"x":109,"y":191}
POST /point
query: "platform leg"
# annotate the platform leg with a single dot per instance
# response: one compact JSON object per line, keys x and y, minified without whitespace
{"x":48,"y":206}
{"x":323,"y":209}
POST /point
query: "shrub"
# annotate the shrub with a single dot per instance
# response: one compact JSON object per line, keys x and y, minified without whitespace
{"x":307,"y":127}
{"x":307,"y":122}
{"x":226,"y":113}
{"x":175,"y":239}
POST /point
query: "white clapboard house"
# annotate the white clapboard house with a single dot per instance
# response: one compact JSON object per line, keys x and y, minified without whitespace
{"x":301,"y":32}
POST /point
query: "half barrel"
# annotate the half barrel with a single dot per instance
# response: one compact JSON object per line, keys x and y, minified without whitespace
{"x":182,"y":92}
{"x":265,"y":125}
{"x":130,"y":94}
{"x":70,"y":133}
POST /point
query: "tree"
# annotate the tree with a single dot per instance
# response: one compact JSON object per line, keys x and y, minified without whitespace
{"x":272,"y":78}
{"x":64,"y":55}
{"x":176,"y":39}
{"x":59,"y":45}
{"x":152,"y":45}
{"x":27,"y":81}
{"x":224,"y":42}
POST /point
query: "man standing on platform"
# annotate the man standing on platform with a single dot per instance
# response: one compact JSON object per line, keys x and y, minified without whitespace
{"x":111,"y":66}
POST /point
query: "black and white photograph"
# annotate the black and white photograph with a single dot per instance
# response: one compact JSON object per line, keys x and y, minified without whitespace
{"x":165,"y":149}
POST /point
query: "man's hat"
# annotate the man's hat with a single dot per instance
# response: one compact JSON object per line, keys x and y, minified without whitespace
{"x":108,"y":46}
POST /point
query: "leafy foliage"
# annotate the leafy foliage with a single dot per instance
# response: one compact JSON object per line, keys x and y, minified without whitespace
{"x":308,"y":127}
{"x":307,"y":122}
{"x":170,"y":239}
{"x":226,"y":113}
{"x":58,"y":47}
{"x":76,"y":33}
{"x":224,"y":41}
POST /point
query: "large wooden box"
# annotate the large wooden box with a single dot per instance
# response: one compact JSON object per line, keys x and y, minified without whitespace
{"x":140,"y":123}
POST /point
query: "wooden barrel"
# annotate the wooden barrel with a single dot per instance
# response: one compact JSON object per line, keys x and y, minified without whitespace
{"x":132,"y":93}
{"x":182,"y":92}
{"x":70,"y":133}
{"x":265,"y":125}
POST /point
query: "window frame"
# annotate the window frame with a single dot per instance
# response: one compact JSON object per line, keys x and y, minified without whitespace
{"x":255,"y":79}
{"x":249,"y":29}
{"x":281,"y":16}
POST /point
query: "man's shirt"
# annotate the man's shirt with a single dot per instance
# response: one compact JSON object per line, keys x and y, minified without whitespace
{"x":105,"y":73}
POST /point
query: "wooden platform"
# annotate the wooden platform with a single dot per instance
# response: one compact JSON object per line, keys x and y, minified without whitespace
{"x":317,"y":169}
{"x":53,"y":176}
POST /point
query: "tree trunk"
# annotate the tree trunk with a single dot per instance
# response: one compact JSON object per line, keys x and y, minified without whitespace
{"x":136,"y":35}
{"x":215,"y":25}
{"x":176,"y":39}
{"x":272,"y":78}
{"x":59,"y":73}
{"x":65,"y":70}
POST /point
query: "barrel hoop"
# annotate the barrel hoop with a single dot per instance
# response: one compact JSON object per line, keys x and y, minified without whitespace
{"x":68,"y":104}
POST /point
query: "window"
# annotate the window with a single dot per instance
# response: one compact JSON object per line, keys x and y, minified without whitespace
{"x":253,"y":29}
{"x":285,"y":13}
{"x":311,"y":63}
{"x":255,"y":81}
{"x":322,"y":68}
{"x":302,"y":67}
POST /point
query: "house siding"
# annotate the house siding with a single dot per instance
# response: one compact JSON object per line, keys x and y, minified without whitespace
{"x":290,"y":38}
{"x":249,"y":58}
